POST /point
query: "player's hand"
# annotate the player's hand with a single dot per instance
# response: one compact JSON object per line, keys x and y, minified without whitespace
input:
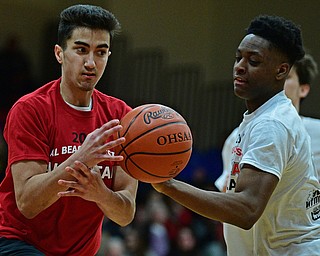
{"x":95,"y":149}
{"x":87,"y":185}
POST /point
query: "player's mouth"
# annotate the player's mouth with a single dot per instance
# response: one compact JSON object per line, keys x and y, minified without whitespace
{"x":239,"y":81}
{"x":89,"y":75}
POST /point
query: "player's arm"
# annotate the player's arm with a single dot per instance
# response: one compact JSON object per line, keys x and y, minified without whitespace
{"x":117,"y":204}
{"x":242,"y":208}
{"x":120,"y":203}
{"x":36,"y":189}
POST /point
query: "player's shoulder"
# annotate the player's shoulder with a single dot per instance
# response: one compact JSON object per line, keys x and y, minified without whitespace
{"x":42,"y":93}
{"x":107,"y":99}
{"x":312,"y":125}
{"x":310,"y":120}
{"x":109,"y":102}
{"x":39,"y":99}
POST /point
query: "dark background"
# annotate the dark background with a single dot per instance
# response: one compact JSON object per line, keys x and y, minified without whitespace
{"x":178,"y":53}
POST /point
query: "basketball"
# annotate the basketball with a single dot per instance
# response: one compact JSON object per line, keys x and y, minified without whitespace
{"x":158,"y":143}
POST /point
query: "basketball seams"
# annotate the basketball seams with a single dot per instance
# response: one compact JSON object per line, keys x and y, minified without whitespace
{"x":128,"y":127}
{"x":148,"y":131}
{"x":158,"y":143}
{"x":160,"y":153}
{"x":144,"y":171}
{"x":133,"y":119}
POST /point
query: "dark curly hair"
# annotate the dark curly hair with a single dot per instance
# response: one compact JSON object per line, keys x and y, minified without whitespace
{"x":88,"y":16}
{"x":281,"y":33}
{"x":307,"y":69}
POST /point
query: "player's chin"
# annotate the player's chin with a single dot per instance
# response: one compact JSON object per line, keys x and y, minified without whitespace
{"x":239,"y":92}
{"x":92,"y":80}
{"x":88,"y":85}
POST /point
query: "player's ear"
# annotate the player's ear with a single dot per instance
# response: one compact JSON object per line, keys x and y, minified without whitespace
{"x":304,"y":90}
{"x":109,"y":53}
{"x":283,"y":71}
{"x":58,"y":52}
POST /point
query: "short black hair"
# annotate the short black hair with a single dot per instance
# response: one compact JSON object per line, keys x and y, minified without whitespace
{"x":281,"y":33}
{"x":306,"y":69}
{"x":89,"y":16}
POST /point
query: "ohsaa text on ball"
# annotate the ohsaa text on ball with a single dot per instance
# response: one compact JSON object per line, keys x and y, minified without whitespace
{"x":174,"y":138}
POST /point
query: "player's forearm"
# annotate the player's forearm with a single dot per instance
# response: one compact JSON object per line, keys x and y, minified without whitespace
{"x":40,"y":191}
{"x":39,"y":194}
{"x":213,"y":205}
{"x":118,"y":207}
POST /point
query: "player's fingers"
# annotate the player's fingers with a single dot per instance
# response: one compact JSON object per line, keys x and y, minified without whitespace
{"x":100,"y":135}
{"x":73,"y":186}
{"x":111,"y":123}
{"x":107,"y":157}
{"x":67,"y":183}
{"x":109,"y":128}
{"x":80,"y":166}
{"x":77,"y":173}
{"x":109,"y":132}
{"x":112,"y":144}
{"x":67,"y":193}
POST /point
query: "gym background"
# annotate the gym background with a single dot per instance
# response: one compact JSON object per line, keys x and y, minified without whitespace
{"x":179,"y":53}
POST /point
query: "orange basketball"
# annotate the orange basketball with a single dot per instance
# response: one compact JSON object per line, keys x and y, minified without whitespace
{"x":158,"y":143}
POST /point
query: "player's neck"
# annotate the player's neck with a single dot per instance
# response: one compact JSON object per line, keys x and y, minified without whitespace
{"x":80,"y":99}
{"x":89,"y":108}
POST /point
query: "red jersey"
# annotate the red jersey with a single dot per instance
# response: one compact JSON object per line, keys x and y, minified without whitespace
{"x":41,"y":126}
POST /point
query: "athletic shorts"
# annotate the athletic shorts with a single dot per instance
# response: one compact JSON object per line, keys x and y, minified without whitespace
{"x":9,"y":247}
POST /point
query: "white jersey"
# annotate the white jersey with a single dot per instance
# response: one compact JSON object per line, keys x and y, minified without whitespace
{"x":226,"y":159}
{"x":312,"y":126}
{"x":274,"y":140}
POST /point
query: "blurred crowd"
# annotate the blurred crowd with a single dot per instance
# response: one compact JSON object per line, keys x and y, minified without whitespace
{"x":164,"y":228}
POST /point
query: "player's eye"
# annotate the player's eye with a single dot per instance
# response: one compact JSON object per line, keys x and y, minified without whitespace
{"x":81,"y":49}
{"x":102,"y":52}
{"x":238,"y":58}
{"x":254,"y":62}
